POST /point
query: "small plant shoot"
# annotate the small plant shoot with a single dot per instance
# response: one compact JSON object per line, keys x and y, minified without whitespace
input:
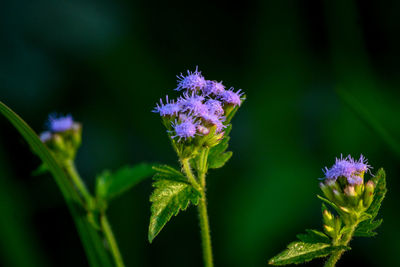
{"x":349,"y":209}
{"x":198,"y":125}
{"x":57,"y":147}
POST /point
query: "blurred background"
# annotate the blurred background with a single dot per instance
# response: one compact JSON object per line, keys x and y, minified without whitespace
{"x":321,"y":79}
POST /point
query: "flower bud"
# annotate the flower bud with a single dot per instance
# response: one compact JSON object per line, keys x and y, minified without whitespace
{"x":338,"y":197}
{"x":368,"y":193}
{"x":328,"y":218}
{"x":351,"y":195}
{"x":329,"y":230}
{"x":327,"y":191}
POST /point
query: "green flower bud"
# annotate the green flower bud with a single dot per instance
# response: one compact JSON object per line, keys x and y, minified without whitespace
{"x":368,"y":193}
{"x":328,"y":218}
{"x":351,"y":195}
{"x":329,"y":230}
{"x":338,"y":197}
{"x":327,"y":191}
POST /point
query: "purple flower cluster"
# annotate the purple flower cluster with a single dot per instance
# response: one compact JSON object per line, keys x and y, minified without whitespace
{"x":348,"y":167}
{"x":56,"y":124}
{"x":201,"y":105}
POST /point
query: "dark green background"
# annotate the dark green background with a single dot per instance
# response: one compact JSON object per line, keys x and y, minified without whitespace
{"x":321,"y":79}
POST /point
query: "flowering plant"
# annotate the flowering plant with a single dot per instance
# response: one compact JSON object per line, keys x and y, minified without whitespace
{"x":198,"y":125}
{"x":356,"y":204}
{"x":57,"y":147}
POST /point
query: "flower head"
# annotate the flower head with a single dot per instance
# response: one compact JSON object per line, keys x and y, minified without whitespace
{"x":45,"y":136}
{"x":213,"y":87}
{"x":201,"y":107}
{"x":193,"y":81}
{"x":193,"y":104}
{"x":168,"y":109}
{"x":215,"y":107}
{"x":60,"y":123}
{"x":185,"y":128}
{"x":349,"y":168}
{"x":231,"y":97}
{"x":215,"y":121}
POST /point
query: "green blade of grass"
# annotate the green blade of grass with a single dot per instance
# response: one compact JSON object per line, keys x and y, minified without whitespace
{"x":92,"y":241}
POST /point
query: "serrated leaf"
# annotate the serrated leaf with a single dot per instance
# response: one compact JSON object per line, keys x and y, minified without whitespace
{"x":300,"y":252}
{"x":367,"y":227}
{"x":168,"y":198}
{"x":330,"y":203}
{"x":111,"y":184}
{"x":380,"y":191}
{"x":91,"y":240}
{"x":218,"y":156}
{"x":314,"y":236}
{"x":168,"y":173}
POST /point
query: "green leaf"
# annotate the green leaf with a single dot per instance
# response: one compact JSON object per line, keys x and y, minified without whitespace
{"x":109,"y":185}
{"x":380,"y":192}
{"x":92,"y":242}
{"x":168,"y":173}
{"x":366,"y":228}
{"x":314,"y":236}
{"x":300,"y":252}
{"x":218,"y":156}
{"x":168,"y":198}
{"x":330,"y":203}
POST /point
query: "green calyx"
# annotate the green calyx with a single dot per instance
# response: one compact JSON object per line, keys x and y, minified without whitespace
{"x":64,"y":145}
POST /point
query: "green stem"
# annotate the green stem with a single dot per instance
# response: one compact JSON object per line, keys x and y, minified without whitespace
{"x":78,"y":182}
{"x":105,"y":226}
{"x":205,"y":231}
{"x":203,"y":167}
{"x":202,"y":207}
{"x":189,"y":174}
{"x":344,"y":241}
{"x":108,"y":233}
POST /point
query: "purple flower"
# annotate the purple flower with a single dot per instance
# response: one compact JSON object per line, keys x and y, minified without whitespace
{"x":167,"y":109}
{"x":193,"y":104}
{"x":60,"y":123}
{"x":45,"y":136}
{"x":215,"y":107}
{"x":348,"y":167}
{"x":193,"y":81}
{"x":213,"y":87}
{"x":231,"y":97}
{"x":185,"y":129}
{"x":214,"y":120}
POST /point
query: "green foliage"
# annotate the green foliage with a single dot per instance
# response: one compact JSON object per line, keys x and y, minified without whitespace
{"x":300,"y":252}
{"x":109,"y":185}
{"x":218,"y":155}
{"x":168,"y":198}
{"x":367,"y":227}
{"x":92,"y":242}
{"x":168,"y":173}
{"x":313,"y":237}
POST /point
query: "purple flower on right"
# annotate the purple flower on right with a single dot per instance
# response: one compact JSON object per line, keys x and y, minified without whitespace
{"x":353,"y":170}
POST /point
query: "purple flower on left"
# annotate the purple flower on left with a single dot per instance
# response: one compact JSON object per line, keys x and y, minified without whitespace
{"x":60,"y":123}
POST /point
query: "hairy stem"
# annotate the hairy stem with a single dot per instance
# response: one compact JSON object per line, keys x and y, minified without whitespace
{"x":344,"y":241}
{"x":202,"y":168}
{"x":189,"y":174}
{"x":205,"y":231}
{"x":108,"y":233}
{"x":202,"y":207}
